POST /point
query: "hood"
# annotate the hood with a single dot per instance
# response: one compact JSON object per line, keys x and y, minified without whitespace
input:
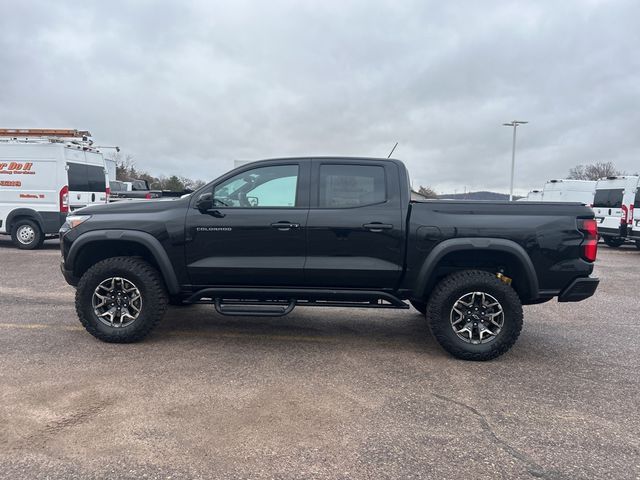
{"x":131,"y":206}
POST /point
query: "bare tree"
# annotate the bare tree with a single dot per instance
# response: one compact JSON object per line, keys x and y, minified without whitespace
{"x":594,"y":171}
{"x":427,"y":192}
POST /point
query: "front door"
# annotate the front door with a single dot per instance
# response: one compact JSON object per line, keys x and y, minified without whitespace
{"x":355,"y":226}
{"x":254,"y":232}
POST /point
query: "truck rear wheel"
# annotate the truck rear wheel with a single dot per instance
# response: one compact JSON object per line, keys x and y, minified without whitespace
{"x":121,"y":299}
{"x":613,"y":242}
{"x":474,"y":315}
{"x":26,"y":234}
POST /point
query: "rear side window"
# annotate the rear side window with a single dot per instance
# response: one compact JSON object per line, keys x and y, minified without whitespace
{"x":636,"y":203}
{"x":345,"y":186}
{"x":609,"y":198}
{"x":86,"y":178}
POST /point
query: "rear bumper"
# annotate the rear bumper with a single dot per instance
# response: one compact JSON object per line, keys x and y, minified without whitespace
{"x":579,"y":289}
{"x":612,"y":232}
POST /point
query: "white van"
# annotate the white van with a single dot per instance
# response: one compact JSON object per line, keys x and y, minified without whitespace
{"x":613,"y":207}
{"x":581,"y":191}
{"x":634,"y":234}
{"x":532,"y":196}
{"x":43,"y":176}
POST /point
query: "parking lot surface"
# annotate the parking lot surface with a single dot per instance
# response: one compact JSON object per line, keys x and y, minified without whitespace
{"x":321,"y":393}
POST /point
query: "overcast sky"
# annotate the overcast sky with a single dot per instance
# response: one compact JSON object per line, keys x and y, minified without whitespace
{"x":187,"y":87}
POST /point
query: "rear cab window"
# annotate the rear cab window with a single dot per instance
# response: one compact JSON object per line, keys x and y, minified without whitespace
{"x":349,"y":186}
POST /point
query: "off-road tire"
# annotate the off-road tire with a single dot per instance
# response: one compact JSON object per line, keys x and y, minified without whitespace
{"x":613,"y":242}
{"x":638,"y":244}
{"x":38,"y":235}
{"x":419,"y":306}
{"x":453,"y":287}
{"x":152,"y":290}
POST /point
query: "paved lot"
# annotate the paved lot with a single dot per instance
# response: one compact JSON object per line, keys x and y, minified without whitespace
{"x":322,"y":393}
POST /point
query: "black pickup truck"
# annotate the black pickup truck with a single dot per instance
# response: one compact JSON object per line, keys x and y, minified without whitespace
{"x":276,"y":234}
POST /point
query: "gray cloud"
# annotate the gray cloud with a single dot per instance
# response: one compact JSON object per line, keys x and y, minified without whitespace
{"x":187,"y":87}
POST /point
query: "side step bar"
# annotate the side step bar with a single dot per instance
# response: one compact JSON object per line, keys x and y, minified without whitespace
{"x":279,"y":302}
{"x":254,"y":309}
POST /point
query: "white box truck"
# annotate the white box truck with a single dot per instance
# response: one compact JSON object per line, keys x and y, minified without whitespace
{"x":44,"y":174}
{"x":563,"y":190}
{"x":613,"y":206}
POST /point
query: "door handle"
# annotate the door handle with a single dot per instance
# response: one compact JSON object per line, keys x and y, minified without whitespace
{"x":216,"y":213}
{"x":284,"y":226}
{"x":377,"y":227}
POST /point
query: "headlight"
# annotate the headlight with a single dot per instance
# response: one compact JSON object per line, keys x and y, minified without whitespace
{"x":74,"y":220}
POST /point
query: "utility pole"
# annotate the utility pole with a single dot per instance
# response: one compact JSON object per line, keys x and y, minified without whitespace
{"x":514,"y":124}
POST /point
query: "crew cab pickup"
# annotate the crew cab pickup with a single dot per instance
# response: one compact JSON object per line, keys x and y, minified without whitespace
{"x":333,"y":232}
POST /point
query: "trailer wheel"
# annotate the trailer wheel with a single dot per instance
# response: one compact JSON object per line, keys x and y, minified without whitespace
{"x":26,"y":234}
{"x":474,"y":315}
{"x":613,"y":242}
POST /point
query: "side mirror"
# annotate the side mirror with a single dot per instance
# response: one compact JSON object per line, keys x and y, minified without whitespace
{"x":205,"y":202}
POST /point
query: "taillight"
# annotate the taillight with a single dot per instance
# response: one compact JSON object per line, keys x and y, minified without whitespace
{"x":630,"y":219}
{"x":108,"y":192}
{"x":64,"y":199}
{"x":625,"y":213}
{"x":589,"y":228}
{"x":148,"y":196}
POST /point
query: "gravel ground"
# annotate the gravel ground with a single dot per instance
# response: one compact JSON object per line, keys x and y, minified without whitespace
{"x":321,"y":393}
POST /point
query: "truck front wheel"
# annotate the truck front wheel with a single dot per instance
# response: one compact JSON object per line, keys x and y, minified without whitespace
{"x":474,"y":315}
{"x":121,"y":299}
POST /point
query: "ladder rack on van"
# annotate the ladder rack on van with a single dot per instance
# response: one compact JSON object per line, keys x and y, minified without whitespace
{"x":44,"y":132}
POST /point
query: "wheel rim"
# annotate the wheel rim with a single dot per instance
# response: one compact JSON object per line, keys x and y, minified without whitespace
{"x":477,"y":317}
{"x":25,"y":234}
{"x":117,"y":302}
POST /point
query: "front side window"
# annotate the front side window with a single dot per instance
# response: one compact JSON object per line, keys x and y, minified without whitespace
{"x":274,"y":186}
{"x":346,"y":186}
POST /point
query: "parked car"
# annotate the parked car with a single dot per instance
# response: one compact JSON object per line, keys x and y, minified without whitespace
{"x":564,"y":190}
{"x":613,"y":207}
{"x":276,"y":234}
{"x":44,"y":174}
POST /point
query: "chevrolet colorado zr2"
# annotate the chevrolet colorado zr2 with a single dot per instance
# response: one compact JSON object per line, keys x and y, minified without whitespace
{"x":333,"y":232}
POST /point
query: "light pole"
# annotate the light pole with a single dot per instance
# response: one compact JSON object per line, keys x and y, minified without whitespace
{"x":514,"y":124}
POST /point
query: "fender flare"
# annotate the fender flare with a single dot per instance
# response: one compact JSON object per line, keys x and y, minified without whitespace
{"x":142,"y":238}
{"x":24,"y":212}
{"x":481,"y":245}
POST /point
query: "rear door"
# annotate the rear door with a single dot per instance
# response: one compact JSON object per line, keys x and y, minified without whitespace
{"x":355,"y":226}
{"x":607,"y":206}
{"x":87,"y":178}
{"x":255,"y":233}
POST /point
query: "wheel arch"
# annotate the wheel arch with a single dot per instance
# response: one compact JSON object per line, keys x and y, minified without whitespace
{"x":474,"y":253}
{"x":97,"y":245}
{"x":19,"y":213}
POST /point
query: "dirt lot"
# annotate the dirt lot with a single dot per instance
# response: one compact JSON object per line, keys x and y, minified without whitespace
{"x":322,"y":393}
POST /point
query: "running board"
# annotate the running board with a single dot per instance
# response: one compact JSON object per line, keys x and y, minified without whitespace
{"x":253,"y":309}
{"x":270,"y":299}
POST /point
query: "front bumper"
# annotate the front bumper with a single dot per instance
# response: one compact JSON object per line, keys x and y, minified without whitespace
{"x":579,"y":289}
{"x":68,"y":275}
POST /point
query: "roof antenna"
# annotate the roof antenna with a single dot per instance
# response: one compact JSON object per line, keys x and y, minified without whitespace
{"x":392,"y":150}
